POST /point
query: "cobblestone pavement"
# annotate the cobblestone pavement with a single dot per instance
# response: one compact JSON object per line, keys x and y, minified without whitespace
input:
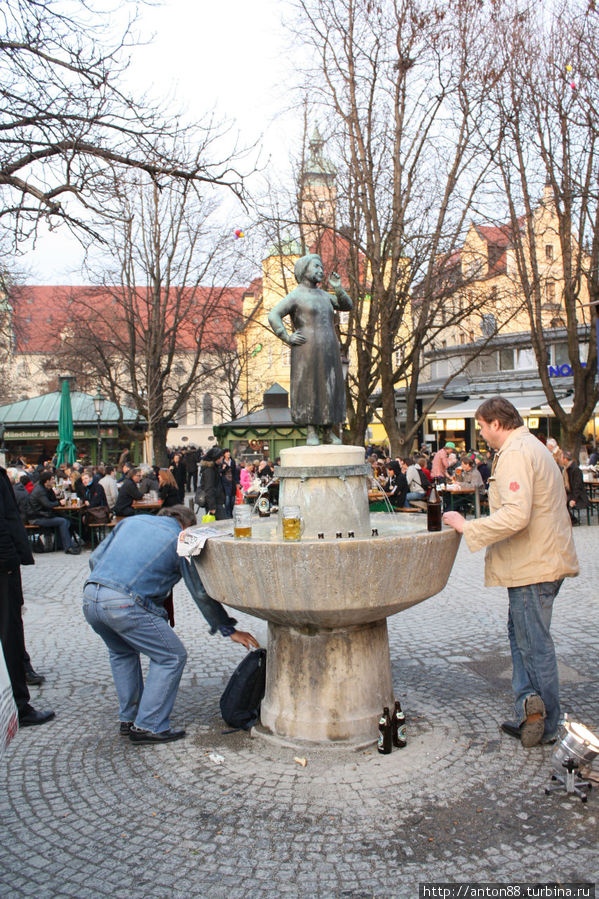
{"x":86,"y":814}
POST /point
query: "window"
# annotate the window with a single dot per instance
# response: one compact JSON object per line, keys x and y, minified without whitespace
{"x":344,"y":318}
{"x":526,"y":359}
{"x":550,"y":291}
{"x":506,"y":359}
{"x":286,"y":356}
{"x":560,"y":354}
{"x":398,"y":357}
{"x":549,"y":252}
{"x":207,"y":409}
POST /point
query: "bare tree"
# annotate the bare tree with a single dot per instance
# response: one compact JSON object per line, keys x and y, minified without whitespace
{"x":65,"y":120}
{"x":548,"y":120}
{"x":399,"y":84}
{"x":152,"y":334}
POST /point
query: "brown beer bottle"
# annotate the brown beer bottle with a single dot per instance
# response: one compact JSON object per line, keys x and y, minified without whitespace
{"x":398,"y":726}
{"x":385,"y":742}
{"x":434,"y":510}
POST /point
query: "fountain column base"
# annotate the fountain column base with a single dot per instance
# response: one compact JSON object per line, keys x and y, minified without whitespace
{"x":327,"y":685}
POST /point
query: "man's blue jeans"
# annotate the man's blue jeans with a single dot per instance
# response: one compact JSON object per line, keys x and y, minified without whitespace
{"x":130,"y":627}
{"x":59,"y":522}
{"x":533,"y":653}
{"x":419,"y":497}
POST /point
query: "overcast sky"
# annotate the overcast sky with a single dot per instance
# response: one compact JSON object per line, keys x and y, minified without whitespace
{"x":230,"y":56}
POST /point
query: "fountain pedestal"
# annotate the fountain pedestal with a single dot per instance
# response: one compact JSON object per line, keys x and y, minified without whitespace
{"x":326,"y":685}
{"x":328,"y":673}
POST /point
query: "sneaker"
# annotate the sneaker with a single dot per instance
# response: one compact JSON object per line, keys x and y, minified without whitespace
{"x":531,"y":729}
{"x":125,"y":728}
{"x":73,"y":550}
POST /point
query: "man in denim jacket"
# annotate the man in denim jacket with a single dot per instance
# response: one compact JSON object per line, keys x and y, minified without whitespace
{"x":132,"y":574}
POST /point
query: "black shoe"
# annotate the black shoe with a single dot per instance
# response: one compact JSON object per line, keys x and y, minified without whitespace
{"x":32,"y":678}
{"x":138,"y":735}
{"x":33,"y":717}
{"x":73,"y":550}
{"x":125,"y":728}
{"x":511,"y":728}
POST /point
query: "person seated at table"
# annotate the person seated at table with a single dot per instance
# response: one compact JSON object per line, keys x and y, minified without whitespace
{"x":484,"y":467}
{"x":93,"y":494}
{"x":417,"y":492}
{"x":168,"y":492}
{"x":469,"y":477}
{"x":19,"y":486}
{"x":149,"y":481}
{"x":397,"y":487}
{"x":109,"y":483}
{"x":452,"y":464}
{"x":576,"y":493}
{"x":42,"y":512}
{"x":128,"y":494}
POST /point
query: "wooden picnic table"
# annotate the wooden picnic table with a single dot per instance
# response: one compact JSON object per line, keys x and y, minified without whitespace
{"x":462,"y":491}
{"x":140,"y":506}
{"x":74,"y":511}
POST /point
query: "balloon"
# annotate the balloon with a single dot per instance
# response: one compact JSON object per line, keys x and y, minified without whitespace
{"x":568,"y":68}
{"x":239,"y":233}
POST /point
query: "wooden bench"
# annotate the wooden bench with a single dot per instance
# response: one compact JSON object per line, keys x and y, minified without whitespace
{"x":99,"y":531}
{"x":35,"y":534}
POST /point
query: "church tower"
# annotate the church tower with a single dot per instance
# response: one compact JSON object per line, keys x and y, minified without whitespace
{"x":317,"y":194}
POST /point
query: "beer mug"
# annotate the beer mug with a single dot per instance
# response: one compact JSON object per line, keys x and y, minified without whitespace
{"x":293,"y":523}
{"x":242,"y":522}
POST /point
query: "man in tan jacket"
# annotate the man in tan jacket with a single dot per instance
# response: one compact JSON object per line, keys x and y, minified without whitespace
{"x":530,"y":551}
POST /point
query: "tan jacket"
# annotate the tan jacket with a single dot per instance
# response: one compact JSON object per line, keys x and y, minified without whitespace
{"x":528,"y":534}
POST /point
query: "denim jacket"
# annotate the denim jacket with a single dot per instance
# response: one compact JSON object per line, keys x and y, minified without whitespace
{"x":139,"y":558}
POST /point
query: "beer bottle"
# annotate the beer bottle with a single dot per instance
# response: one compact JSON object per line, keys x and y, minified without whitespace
{"x":384,"y":743}
{"x":398,"y":726}
{"x":434,"y":509}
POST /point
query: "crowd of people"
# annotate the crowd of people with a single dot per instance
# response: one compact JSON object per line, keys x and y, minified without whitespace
{"x":407,"y":480}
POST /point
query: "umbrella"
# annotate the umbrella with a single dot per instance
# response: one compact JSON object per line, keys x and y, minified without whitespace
{"x":66,"y":450}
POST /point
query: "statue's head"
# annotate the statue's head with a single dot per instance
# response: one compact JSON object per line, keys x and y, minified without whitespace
{"x":303,"y":265}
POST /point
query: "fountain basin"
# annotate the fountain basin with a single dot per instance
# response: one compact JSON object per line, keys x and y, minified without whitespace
{"x":328,"y":583}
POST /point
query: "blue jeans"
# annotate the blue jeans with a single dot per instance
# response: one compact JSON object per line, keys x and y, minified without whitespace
{"x":62,"y":524}
{"x":130,"y":627}
{"x":418,"y":496}
{"x":533,"y":653}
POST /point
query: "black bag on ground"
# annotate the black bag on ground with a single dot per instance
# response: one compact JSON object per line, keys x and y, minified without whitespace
{"x":240,"y":702}
{"x":200,"y":498}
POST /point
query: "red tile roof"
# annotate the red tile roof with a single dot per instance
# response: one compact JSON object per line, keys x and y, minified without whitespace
{"x":41,"y":313}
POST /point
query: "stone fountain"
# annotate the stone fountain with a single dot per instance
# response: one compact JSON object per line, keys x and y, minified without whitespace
{"x":326,"y":598}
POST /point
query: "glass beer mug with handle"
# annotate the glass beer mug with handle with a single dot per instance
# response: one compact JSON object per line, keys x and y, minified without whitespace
{"x":293,"y":523}
{"x":242,"y":522}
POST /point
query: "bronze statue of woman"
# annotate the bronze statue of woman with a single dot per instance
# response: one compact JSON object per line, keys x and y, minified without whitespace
{"x":317,"y":388}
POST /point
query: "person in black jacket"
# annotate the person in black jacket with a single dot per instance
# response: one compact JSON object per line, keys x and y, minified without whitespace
{"x":42,"y":511}
{"x":574,"y":483}
{"x":168,"y":491}
{"x":211,"y":483}
{"x":22,"y":496}
{"x":180,"y":474}
{"x":128,"y":493}
{"x":14,"y":552}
